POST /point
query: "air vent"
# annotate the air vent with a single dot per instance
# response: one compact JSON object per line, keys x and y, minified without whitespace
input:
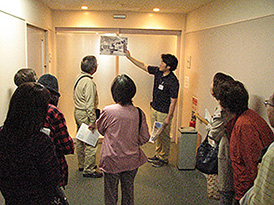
{"x":119,"y":16}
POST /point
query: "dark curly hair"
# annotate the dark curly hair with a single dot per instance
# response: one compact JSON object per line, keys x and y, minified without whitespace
{"x":234,"y":97}
{"x":24,"y":75}
{"x":218,"y":79}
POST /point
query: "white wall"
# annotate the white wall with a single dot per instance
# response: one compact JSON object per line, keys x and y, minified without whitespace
{"x":14,"y":16}
{"x":31,"y":11}
{"x":220,"y":38}
{"x":13,"y":56}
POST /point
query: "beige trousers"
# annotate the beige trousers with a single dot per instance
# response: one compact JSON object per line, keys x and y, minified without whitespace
{"x":86,"y":153}
{"x":163,"y":141}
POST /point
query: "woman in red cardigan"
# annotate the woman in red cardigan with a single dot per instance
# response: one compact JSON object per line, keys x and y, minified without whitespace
{"x":249,"y":135}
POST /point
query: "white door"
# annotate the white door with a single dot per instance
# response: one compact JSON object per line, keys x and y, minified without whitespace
{"x":36,"y":40}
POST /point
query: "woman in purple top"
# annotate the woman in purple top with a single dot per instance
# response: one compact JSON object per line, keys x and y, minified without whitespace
{"x":121,"y":154}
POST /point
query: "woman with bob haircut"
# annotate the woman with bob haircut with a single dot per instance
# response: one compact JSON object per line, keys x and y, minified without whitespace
{"x":124,"y":132}
{"x":29,"y":170}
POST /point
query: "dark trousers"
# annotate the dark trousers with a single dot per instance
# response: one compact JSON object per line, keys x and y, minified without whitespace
{"x":226,"y":197}
{"x":111,"y":182}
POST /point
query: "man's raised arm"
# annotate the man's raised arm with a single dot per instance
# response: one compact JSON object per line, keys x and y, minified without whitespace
{"x":136,"y":62}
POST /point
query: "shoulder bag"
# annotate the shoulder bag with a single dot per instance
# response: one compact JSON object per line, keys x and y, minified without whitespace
{"x":140,"y":118}
{"x":207,"y":158}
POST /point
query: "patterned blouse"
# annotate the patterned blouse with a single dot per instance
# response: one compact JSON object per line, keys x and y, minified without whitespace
{"x":56,"y":122}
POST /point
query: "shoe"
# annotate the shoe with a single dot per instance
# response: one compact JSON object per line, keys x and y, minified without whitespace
{"x":95,"y":174}
{"x":153,"y":159}
{"x":82,"y":169}
{"x":159,"y":163}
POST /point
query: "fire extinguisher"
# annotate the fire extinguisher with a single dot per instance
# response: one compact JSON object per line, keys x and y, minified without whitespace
{"x":192,"y":122}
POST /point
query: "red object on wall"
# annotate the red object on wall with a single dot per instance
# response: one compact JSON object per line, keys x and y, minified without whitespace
{"x":192,"y":123}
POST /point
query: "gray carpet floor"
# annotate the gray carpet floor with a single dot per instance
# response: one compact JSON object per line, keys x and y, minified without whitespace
{"x":161,"y":186}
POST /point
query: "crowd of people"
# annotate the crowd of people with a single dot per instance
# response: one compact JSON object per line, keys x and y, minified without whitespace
{"x":241,"y":134}
{"x":34,"y":138}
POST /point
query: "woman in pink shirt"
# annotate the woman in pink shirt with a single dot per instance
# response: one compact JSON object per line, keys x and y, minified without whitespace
{"x":125,"y":129}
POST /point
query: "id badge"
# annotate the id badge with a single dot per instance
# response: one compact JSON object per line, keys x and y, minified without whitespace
{"x":160,"y":87}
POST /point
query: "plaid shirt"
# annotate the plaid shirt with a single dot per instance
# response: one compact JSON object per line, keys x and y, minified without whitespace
{"x":56,"y":122}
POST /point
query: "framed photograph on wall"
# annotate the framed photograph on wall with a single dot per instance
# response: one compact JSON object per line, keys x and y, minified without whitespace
{"x":113,"y":45}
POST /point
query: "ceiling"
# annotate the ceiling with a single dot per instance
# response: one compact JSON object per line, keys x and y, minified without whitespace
{"x":166,"y":6}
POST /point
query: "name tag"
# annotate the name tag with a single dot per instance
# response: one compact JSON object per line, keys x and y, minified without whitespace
{"x":161,"y":87}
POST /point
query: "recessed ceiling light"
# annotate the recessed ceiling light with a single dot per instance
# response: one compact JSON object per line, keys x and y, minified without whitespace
{"x":156,"y":9}
{"x":84,"y":7}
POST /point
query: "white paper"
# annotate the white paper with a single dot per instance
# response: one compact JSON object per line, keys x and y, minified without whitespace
{"x":85,"y":135}
{"x":156,"y":130}
{"x":208,"y":116}
{"x":45,"y":130}
{"x":113,"y":45}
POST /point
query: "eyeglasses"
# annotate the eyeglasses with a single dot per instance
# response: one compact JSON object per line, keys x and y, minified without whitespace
{"x":266,"y":102}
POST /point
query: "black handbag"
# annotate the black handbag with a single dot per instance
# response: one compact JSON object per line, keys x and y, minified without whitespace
{"x":207,"y":158}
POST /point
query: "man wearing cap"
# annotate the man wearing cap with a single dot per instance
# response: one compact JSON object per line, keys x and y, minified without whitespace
{"x":56,"y":122}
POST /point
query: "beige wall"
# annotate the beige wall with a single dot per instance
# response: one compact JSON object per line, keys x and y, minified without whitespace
{"x":235,"y":37}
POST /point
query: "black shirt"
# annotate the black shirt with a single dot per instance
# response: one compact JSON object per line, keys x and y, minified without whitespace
{"x":165,"y":87}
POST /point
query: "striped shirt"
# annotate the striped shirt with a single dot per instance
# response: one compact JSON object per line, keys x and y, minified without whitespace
{"x":263,"y":191}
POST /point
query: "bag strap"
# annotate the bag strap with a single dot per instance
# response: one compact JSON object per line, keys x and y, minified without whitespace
{"x":140,"y":118}
{"x":216,"y":143}
{"x":80,"y":79}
